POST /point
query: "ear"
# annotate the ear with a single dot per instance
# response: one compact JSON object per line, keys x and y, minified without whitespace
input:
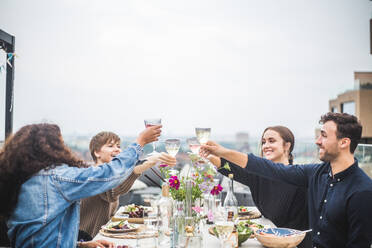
{"x":345,"y":143}
{"x":97,"y":154}
{"x":287,"y":145}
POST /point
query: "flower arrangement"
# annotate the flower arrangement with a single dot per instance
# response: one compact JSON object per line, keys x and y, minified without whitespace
{"x":201,"y":173}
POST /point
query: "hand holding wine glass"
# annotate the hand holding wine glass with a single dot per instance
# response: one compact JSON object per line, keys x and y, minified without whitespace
{"x":162,"y":158}
{"x":172,"y":146}
{"x":212,"y":148}
{"x":150,"y":123}
{"x":149,"y":135}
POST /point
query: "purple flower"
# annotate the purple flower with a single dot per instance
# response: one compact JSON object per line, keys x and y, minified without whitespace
{"x":174,"y":182}
{"x":216,"y":189}
{"x":163,"y":165}
{"x":204,"y":187}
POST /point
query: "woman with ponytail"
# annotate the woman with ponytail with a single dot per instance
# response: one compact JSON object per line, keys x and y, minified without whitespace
{"x":284,"y":204}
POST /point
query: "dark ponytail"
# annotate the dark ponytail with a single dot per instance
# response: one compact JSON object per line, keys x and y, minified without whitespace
{"x":290,"y":158}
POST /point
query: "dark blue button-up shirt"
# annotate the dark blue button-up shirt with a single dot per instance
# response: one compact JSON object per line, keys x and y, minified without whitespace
{"x":340,"y":206}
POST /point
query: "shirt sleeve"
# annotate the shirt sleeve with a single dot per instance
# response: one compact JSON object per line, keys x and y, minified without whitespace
{"x":77,"y":183}
{"x":297,"y":175}
{"x":113,"y":194}
{"x":359,"y":217}
{"x":240,"y":175}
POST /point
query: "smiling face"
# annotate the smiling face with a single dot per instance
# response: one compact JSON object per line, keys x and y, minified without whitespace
{"x":328,"y":142}
{"x":273,"y":147}
{"x":107,"y":152}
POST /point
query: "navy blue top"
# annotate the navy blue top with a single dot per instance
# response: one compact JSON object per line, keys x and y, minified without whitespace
{"x":282,"y":203}
{"x":340,"y":206}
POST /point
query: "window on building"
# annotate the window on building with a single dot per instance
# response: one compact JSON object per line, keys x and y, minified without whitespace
{"x":348,"y":107}
{"x":334,"y":110}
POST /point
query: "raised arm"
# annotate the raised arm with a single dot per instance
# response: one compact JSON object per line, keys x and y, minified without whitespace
{"x":296,"y":175}
{"x":113,"y":194}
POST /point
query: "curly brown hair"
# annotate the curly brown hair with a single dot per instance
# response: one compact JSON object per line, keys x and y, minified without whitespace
{"x":31,"y":149}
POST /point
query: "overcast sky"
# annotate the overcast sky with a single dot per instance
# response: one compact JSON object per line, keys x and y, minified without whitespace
{"x":93,"y":65}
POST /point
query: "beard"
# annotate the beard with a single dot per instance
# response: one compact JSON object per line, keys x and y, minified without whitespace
{"x":328,"y":155}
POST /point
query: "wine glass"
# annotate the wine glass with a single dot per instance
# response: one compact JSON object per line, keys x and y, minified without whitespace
{"x":224,"y":229}
{"x":172,"y":146}
{"x":202,"y":134}
{"x":194,"y":145}
{"x":150,"y":123}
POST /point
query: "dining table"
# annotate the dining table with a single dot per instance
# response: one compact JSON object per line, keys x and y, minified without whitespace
{"x":208,"y":240}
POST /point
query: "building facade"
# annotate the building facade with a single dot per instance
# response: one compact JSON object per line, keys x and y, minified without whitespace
{"x":357,"y":102}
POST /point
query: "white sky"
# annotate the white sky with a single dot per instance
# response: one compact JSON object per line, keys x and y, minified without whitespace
{"x":92,"y":65}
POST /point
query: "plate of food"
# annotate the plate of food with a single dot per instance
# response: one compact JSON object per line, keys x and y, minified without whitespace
{"x":119,"y":227}
{"x":246,"y":230}
{"x":136,"y":211}
{"x":245,"y":213}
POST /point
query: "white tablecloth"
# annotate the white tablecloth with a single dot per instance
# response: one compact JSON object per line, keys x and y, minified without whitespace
{"x":209,"y":240}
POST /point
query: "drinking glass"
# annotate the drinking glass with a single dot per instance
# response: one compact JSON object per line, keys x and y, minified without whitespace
{"x":202,"y":134}
{"x":172,"y":146}
{"x":150,"y":123}
{"x":224,"y":228}
{"x":194,"y":145}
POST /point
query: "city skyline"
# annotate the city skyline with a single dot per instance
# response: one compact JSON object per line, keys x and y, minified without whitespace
{"x":232,"y":66}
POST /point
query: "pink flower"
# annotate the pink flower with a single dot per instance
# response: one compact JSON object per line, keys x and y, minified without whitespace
{"x":216,"y":189}
{"x":174,"y":182}
{"x":210,"y":215}
{"x":197,"y":209}
{"x":163,"y":165}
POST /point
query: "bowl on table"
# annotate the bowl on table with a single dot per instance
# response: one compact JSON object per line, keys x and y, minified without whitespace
{"x":279,"y":237}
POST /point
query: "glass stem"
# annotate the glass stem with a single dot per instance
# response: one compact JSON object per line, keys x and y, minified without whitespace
{"x":154,"y":146}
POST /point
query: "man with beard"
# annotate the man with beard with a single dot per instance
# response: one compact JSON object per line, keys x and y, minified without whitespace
{"x":339,"y":192}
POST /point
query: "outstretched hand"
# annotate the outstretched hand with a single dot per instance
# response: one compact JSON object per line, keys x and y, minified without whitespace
{"x":163,"y":158}
{"x":149,"y":135}
{"x":212,"y":148}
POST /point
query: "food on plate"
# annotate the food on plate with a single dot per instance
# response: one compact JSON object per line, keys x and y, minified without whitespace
{"x":243,"y":209}
{"x":245,"y":230}
{"x":119,"y":225}
{"x":135,"y":211}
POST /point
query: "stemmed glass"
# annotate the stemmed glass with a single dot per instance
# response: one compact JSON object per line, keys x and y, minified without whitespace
{"x":172,"y":146}
{"x":194,"y":145}
{"x":224,"y":227}
{"x":202,"y":134}
{"x":151,"y":123}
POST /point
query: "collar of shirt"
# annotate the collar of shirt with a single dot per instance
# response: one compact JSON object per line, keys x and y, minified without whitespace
{"x":343,"y":174}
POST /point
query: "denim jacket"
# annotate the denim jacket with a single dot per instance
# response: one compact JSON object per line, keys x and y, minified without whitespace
{"x":48,"y":208}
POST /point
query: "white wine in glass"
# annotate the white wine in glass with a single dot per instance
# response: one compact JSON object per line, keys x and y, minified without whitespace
{"x":224,"y":229}
{"x":151,"y":123}
{"x":202,"y":134}
{"x":172,"y":146}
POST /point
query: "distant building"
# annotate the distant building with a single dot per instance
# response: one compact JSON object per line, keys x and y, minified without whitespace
{"x":242,"y":142}
{"x":357,"y":102}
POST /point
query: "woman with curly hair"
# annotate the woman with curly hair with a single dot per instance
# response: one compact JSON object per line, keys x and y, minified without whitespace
{"x":42,"y":182}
